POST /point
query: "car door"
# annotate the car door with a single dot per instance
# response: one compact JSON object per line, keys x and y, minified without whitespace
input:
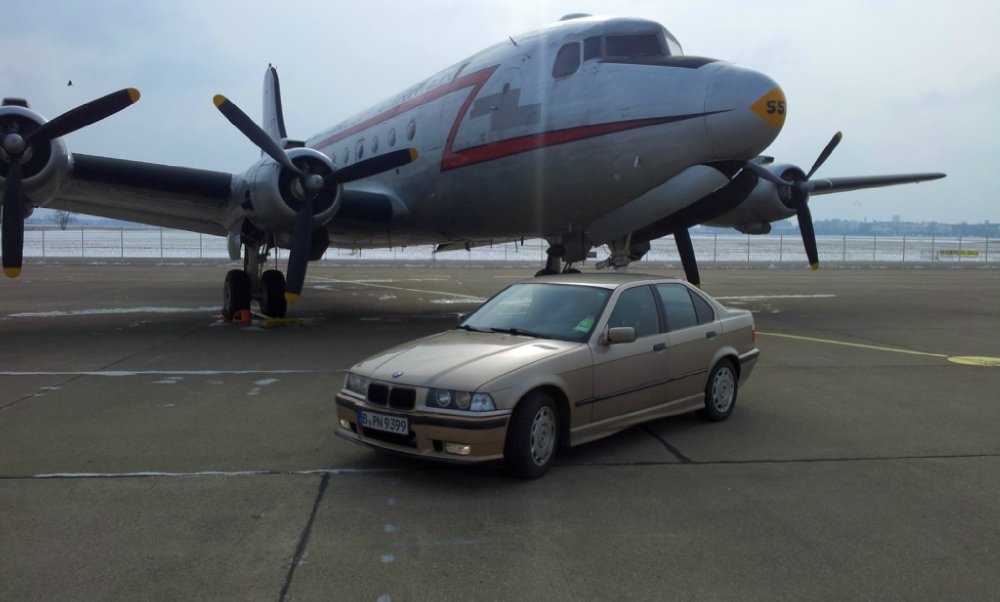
{"x":693,"y":338}
{"x":629,"y":377}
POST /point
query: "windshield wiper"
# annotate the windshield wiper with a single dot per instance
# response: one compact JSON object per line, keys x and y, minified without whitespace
{"x":470,"y":328}
{"x":520,"y":332}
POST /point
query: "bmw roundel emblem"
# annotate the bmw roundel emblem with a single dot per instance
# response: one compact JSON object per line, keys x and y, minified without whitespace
{"x":397,"y":374}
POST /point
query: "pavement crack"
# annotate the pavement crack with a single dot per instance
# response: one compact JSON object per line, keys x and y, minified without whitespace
{"x":670,"y":448}
{"x":300,"y":549}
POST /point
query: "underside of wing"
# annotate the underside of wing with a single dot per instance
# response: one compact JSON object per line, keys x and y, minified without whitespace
{"x":159,"y":195}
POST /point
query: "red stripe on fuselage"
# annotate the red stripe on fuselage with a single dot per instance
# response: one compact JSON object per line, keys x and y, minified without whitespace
{"x":504,"y":148}
{"x":475,"y":80}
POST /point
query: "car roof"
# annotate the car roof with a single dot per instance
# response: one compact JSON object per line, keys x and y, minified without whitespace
{"x":609,"y":280}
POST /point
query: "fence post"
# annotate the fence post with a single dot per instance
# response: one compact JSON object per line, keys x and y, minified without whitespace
{"x":121,"y":238}
{"x":161,"y":244}
{"x":82,"y":245}
{"x":201,"y":251}
{"x":781,"y":248}
{"x":874,"y":247}
{"x":43,"y":244}
{"x":715,"y":248}
{"x":843,"y":257}
{"x":904,"y":248}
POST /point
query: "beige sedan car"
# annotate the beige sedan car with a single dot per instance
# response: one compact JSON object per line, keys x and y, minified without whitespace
{"x":551,"y":362}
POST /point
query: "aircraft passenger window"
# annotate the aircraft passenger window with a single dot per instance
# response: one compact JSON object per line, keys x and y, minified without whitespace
{"x":677,"y":305}
{"x":347,"y":156}
{"x":636,"y":308}
{"x":392,"y":137}
{"x":567,"y":60}
{"x":374,"y":145}
{"x":592,"y":48}
{"x":411,"y":130}
{"x":633,"y":46}
{"x":360,"y":150}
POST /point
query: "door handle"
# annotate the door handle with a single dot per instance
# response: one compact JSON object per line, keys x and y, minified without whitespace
{"x":659,"y":346}
{"x":710,"y":334}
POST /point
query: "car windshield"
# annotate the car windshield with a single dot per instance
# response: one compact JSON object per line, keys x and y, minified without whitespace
{"x":557,"y":311}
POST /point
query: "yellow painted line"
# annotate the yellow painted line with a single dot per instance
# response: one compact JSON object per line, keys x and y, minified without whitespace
{"x":857,"y":345}
{"x":395,"y":288}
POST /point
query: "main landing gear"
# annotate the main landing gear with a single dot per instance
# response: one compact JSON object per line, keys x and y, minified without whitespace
{"x":254,"y":283}
{"x":554,"y":263}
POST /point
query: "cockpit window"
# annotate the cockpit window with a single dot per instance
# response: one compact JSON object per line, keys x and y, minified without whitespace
{"x":567,"y":60}
{"x":592,"y":48}
{"x":633,"y":46}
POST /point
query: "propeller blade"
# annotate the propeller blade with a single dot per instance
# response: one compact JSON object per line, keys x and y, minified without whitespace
{"x":688,"y":260}
{"x":13,"y":224}
{"x":256,"y":135}
{"x":83,"y":115}
{"x":298,"y":254}
{"x":765,"y":174}
{"x":823,"y":156}
{"x":808,"y":235}
{"x":375,"y":165}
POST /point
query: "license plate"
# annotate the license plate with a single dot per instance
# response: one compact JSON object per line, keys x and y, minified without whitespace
{"x":383,"y":422}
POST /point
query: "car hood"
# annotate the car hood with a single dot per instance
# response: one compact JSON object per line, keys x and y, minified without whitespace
{"x":459,"y":359}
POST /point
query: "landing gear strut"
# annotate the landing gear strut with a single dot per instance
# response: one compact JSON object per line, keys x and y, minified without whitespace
{"x":253,"y":283}
{"x":554,"y":262}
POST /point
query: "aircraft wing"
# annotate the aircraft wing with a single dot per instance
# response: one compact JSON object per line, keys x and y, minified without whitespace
{"x":845,"y":184}
{"x":159,"y":195}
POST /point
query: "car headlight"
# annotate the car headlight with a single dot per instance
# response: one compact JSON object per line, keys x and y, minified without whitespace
{"x":460,"y":400}
{"x":357,"y":384}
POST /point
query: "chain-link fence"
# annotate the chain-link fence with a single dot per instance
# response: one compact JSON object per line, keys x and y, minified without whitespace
{"x":165,"y":244}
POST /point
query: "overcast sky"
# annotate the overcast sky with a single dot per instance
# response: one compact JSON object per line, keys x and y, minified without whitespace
{"x":914,"y":85}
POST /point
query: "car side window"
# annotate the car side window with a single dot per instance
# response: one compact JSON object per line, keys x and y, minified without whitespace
{"x":702,"y":309}
{"x":567,"y":60}
{"x":677,"y":306}
{"x":636,"y":307}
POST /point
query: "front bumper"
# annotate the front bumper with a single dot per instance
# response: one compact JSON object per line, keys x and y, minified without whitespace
{"x":429,"y":434}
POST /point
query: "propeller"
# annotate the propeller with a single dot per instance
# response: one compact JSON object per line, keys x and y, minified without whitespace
{"x":686,"y":250}
{"x":800,"y":190}
{"x":312,"y":185}
{"x":17,"y":149}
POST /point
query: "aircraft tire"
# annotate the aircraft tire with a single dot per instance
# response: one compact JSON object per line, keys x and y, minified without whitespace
{"x":235,"y":294}
{"x":272,"y":291}
{"x":720,"y":392}
{"x":532,"y":436}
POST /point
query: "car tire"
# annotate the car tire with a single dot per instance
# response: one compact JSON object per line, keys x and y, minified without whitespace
{"x":532,"y":436}
{"x":720,"y":392}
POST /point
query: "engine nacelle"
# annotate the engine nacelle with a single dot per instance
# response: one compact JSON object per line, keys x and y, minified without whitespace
{"x":44,"y":168}
{"x":272,"y":196}
{"x":767,"y":203}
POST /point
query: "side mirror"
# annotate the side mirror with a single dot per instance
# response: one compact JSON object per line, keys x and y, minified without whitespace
{"x":621,"y":334}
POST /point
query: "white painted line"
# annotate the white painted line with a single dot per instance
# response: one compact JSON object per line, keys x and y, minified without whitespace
{"x":208,"y":473}
{"x":180,"y":373}
{"x":115,"y":311}
{"x":769,"y":297}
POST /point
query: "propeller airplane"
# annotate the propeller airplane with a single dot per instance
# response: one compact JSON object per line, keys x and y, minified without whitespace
{"x":590,"y":132}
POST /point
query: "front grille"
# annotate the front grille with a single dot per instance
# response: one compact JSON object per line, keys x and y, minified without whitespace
{"x":401,"y":398}
{"x":378,"y":394}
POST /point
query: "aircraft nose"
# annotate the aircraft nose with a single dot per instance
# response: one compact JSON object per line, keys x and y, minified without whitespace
{"x":745,"y":112}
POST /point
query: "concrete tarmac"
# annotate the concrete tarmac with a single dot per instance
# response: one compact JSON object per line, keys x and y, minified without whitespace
{"x":150,"y":451}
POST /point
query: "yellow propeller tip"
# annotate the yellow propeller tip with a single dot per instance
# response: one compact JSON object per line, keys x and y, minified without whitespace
{"x":12,"y":272}
{"x":814,"y":266}
{"x":133,"y":94}
{"x":291,"y":297}
{"x":219,"y":99}
{"x":413,"y":154}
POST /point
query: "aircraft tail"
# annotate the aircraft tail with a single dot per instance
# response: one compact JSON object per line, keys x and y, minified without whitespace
{"x":274,"y":119}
